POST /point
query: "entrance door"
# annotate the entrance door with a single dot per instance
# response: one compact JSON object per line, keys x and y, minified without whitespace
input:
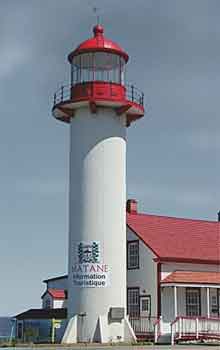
{"x":145,"y":306}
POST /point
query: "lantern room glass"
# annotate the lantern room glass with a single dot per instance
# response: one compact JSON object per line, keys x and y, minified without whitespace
{"x":98,"y":66}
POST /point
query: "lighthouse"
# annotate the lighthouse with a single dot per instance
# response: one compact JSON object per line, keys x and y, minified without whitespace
{"x":99,"y":106}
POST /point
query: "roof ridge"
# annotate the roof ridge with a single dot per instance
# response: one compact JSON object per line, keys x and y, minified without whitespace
{"x":174,"y":217}
{"x":56,"y":289}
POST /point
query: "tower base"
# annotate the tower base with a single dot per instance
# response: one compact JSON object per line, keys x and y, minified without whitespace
{"x":105,"y":331}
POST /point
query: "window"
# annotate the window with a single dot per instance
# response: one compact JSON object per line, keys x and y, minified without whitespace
{"x":133,"y":302}
{"x":193,"y":306}
{"x":98,"y":66}
{"x":133,"y":255}
{"x":47,"y":304}
{"x":145,"y":305}
{"x":20,"y":330}
{"x":215,"y":297}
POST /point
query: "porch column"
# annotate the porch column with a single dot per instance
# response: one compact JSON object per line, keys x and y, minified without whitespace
{"x":175,"y":301}
{"x":208,"y":301}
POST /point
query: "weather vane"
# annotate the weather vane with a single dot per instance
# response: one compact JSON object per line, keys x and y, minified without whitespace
{"x":96,"y":12}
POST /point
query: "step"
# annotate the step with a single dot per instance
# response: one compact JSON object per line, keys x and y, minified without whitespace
{"x":164,"y":339}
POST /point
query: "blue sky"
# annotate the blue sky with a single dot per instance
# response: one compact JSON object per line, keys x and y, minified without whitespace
{"x":173,"y":152}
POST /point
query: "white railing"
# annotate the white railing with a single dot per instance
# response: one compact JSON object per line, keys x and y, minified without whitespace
{"x":195,"y":328}
{"x":157,"y":329}
{"x":144,"y":327}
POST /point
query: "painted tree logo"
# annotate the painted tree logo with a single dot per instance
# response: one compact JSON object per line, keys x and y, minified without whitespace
{"x":95,"y":252}
{"x":88,"y":253}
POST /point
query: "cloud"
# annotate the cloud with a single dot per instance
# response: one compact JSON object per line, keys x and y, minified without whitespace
{"x":204,"y":140}
{"x":12,"y":56}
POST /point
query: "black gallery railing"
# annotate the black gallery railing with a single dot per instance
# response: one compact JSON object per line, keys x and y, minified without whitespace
{"x":132,"y":94}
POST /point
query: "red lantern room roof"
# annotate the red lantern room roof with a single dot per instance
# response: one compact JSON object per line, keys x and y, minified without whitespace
{"x":98,"y":43}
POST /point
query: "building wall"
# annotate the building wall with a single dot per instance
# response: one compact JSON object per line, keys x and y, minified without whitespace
{"x":37,"y":330}
{"x":169,"y":267}
{"x":146,"y":276}
{"x":47,"y":297}
{"x":57,"y":303}
{"x":60,"y":283}
{"x":54,"y":303}
{"x":167,"y":302}
{"x":167,"y":293}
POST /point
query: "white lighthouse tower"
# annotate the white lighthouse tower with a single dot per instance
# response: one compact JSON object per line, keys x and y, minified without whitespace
{"x":99,"y":106}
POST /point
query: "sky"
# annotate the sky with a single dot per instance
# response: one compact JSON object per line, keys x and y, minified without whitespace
{"x":173,"y":152}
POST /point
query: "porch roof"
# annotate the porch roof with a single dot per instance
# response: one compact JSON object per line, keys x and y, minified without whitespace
{"x":192,"y":278}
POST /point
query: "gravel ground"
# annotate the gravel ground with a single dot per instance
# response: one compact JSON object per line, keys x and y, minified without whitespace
{"x":124,"y":347}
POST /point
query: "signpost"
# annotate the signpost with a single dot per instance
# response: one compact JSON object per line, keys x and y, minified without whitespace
{"x":55,"y":325}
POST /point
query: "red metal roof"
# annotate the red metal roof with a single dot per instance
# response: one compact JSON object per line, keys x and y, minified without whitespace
{"x":55,"y":293}
{"x":193,"y":277}
{"x":178,"y":239}
{"x":98,"y":43}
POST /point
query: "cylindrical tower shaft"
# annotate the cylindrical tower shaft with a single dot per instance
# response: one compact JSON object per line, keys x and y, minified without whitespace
{"x":99,"y":105}
{"x":97,"y":216}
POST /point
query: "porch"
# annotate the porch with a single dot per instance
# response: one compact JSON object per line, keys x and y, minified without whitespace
{"x":190,"y":305}
{"x":190,"y":308}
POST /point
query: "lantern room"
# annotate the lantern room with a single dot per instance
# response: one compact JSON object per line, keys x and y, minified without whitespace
{"x":98,"y":59}
{"x":98,"y":67}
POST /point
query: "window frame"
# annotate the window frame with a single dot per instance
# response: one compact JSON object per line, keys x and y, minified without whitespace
{"x":86,"y":68}
{"x":137,"y":289}
{"x":129,"y":267}
{"x":215,"y":307}
{"x":148,"y":298}
{"x":188,"y":289}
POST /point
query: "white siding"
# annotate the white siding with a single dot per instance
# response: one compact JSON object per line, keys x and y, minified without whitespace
{"x":169,"y":267}
{"x":60,"y":283}
{"x":181,"y":301}
{"x":167,"y":295}
{"x":59,"y":303}
{"x":167,"y":304}
{"x":54,"y":303}
{"x":146,"y":276}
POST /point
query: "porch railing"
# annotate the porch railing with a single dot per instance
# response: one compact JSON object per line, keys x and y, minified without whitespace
{"x":157,"y":329}
{"x":186,"y":328}
{"x":143,"y":326}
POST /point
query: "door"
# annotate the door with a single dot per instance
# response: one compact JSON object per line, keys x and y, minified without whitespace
{"x":145,"y":306}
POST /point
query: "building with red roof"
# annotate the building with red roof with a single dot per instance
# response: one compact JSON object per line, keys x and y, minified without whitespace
{"x":173,"y":273}
{"x":54,"y":298}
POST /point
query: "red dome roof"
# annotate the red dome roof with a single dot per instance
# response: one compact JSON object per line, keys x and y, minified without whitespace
{"x":98,"y":43}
